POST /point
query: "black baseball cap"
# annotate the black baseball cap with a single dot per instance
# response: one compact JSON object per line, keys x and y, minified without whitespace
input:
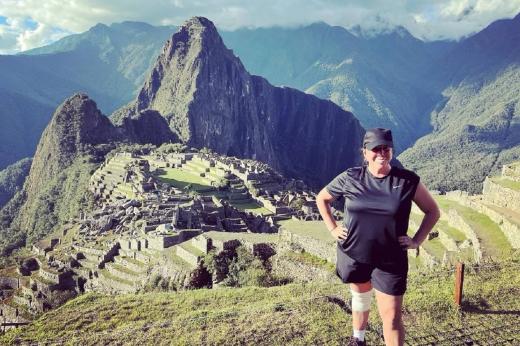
{"x":376,"y":137}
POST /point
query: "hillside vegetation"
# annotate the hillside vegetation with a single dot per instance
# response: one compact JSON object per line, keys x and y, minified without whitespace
{"x":12,"y":178}
{"x":293,"y":314}
{"x":475,"y":133}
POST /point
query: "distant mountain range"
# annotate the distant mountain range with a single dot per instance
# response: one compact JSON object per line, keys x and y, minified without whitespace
{"x":461,"y":95}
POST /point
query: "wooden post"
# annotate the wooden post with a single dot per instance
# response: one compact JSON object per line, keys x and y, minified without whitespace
{"x":459,"y":282}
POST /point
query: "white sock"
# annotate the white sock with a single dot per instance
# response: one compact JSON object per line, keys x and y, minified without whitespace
{"x":359,"y":334}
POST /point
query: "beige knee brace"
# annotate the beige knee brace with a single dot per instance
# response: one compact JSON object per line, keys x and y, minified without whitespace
{"x":361,"y":301}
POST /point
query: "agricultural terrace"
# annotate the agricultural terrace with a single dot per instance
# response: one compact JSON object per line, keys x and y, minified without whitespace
{"x":492,"y":239}
{"x":311,"y":229}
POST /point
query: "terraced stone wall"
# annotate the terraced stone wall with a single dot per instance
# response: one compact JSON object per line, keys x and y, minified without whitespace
{"x":187,"y":256}
{"x":301,"y":272}
{"x":501,"y":196}
{"x":455,"y":220}
{"x":54,"y":277}
{"x":322,"y":249}
{"x":159,"y":242}
{"x":202,"y":243}
{"x":11,"y":314}
{"x":511,"y":171}
{"x":510,"y":229}
{"x":221,"y":245}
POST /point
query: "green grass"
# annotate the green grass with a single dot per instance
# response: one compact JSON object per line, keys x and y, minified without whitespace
{"x":190,"y":248}
{"x":312,"y":229}
{"x":492,"y":239}
{"x":126,"y":190}
{"x":134,"y":261}
{"x":512,"y":216}
{"x":452,"y":232}
{"x":310,"y":259}
{"x":105,"y":273}
{"x":249,"y":237}
{"x":253,"y":207}
{"x":180,"y":179}
{"x":171,"y":256}
{"x":435,"y":248}
{"x":123,"y":269}
{"x":504,"y":182}
{"x":295,"y":314}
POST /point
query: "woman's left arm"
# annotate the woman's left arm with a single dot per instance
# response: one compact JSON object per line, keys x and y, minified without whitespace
{"x":427,"y":204}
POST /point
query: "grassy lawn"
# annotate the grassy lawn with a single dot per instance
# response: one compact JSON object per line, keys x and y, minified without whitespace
{"x":190,"y":248}
{"x":435,"y":248}
{"x":452,"y":232}
{"x":180,"y":179}
{"x":295,"y":314}
{"x":504,"y":182}
{"x":512,"y":216}
{"x":310,"y":259}
{"x":123,"y":269}
{"x":126,"y":189}
{"x":105,"y":273}
{"x":253,"y":207}
{"x":312,"y":229}
{"x":493,"y":241}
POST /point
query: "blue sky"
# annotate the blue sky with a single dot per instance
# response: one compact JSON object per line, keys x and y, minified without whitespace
{"x":32,"y":23}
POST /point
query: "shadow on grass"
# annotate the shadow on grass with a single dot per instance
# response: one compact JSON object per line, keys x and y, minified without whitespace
{"x":339,"y":302}
{"x":482,"y":307}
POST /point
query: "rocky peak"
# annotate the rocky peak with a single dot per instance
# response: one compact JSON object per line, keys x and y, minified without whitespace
{"x":76,"y":123}
{"x":209,"y":100}
{"x":172,"y":83}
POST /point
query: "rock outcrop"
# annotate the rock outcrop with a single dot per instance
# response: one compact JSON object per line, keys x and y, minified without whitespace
{"x":209,"y":100}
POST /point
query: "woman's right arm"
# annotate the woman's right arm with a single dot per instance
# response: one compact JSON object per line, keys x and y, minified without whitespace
{"x":323,"y":201}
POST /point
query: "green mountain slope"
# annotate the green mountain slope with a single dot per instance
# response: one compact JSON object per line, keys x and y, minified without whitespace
{"x":12,"y":179}
{"x":476,"y":132}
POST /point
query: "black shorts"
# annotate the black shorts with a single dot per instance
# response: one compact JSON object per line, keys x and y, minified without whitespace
{"x":387,"y":278}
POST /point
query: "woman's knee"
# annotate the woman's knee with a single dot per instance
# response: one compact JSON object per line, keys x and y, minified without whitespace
{"x":392,"y":317}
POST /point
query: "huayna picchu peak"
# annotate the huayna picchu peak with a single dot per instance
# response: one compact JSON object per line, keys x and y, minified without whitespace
{"x":209,"y":100}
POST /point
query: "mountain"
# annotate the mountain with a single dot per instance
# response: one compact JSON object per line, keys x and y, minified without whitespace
{"x":477,"y":124}
{"x":107,"y":62}
{"x":378,"y":77}
{"x":388,"y":79}
{"x":62,"y":165}
{"x":110,"y":63}
{"x":209,"y":100}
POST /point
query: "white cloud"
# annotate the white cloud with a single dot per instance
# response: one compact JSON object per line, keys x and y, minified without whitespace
{"x":426,"y":19}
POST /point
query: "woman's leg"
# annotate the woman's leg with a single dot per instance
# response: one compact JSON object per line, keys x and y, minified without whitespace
{"x":360,"y":318}
{"x":390,"y":311}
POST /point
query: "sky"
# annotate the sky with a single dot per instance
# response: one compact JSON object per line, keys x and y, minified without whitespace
{"x":27,"y":24}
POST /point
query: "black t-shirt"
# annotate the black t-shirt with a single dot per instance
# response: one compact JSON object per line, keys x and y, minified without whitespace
{"x":377,"y":211}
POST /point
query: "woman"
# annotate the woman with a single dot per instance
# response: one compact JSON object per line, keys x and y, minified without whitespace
{"x":372,"y":242}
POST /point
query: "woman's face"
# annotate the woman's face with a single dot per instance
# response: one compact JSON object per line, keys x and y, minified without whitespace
{"x":379,"y":156}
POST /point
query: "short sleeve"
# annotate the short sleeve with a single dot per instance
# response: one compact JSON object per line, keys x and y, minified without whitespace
{"x":336,"y":187}
{"x":415,"y":183}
